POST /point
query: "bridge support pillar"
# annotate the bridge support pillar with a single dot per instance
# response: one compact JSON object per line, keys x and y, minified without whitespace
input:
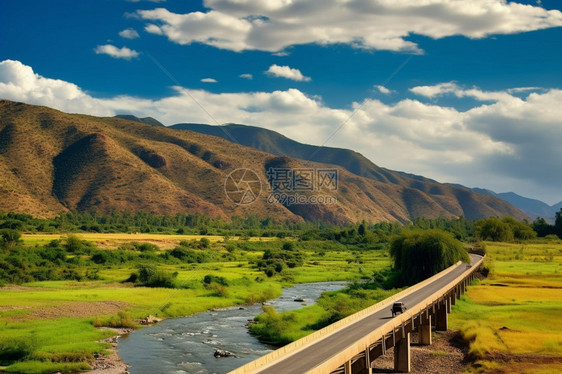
{"x":402,"y":359}
{"x":441,"y":317}
{"x":454,"y":297}
{"x":424,"y":331}
{"x":448,"y":304}
{"x":347,"y":367}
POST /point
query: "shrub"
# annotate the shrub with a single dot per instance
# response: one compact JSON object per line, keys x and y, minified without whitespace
{"x":150,"y":276}
{"x":15,"y":349}
{"x":204,"y":243}
{"x":419,"y":254}
{"x":208,"y":279}
{"x":9,"y":238}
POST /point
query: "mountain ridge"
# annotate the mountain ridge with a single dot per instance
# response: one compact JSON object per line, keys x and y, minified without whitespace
{"x":534,"y":208}
{"x":51,"y":162}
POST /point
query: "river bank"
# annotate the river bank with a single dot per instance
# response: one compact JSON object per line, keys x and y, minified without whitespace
{"x":188,"y":344}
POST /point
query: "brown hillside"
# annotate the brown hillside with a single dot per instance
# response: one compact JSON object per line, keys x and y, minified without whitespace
{"x":52,"y":162}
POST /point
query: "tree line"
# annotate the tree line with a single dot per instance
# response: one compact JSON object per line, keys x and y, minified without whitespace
{"x":495,"y":229}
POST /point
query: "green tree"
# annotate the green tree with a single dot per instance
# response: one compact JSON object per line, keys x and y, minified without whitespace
{"x":542,"y":228}
{"x":521,"y":230}
{"x":419,"y":254}
{"x":9,"y":238}
{"x":558,"y":223}
{"x":494,"y":229}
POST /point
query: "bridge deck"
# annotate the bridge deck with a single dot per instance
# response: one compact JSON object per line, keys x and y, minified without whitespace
{"x":317,"y":352}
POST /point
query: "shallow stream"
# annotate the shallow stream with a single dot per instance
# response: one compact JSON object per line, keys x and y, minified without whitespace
{"x":187,"y":344}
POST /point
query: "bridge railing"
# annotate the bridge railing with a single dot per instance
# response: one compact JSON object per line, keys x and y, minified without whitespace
{"x":296,"y":346}
{"x":359,"y":346}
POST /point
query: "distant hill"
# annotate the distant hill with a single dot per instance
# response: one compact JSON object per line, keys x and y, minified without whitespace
{"x":145,"y":120}
{"x":277,"y":144}
{"x":52,"y":162}
{"x":531,"y":207}
{"x":456,"y":200}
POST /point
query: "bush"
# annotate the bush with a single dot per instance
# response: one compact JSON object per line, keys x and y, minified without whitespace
{"x":204,"y":243}
{"x":150,"y":276}
{"x":189,"y":256}
{"x":15,"y":349}
{"x":123,"y":319}
{"x":9,"y":238}
{"x":208,"y":279}
{"x":419,"y":254}
{"x":75,"y":245}
{"x":274,"y":260}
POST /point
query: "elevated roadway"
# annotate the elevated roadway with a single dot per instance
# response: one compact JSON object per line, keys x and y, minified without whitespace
{"x":351,"y":344}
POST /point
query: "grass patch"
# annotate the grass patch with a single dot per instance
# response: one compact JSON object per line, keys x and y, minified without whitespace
{"x":515,"y":311}
{"x":42,"y":367}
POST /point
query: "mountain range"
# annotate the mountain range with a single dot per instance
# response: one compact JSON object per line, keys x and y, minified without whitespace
{"x":275,"y":143}
{"x":51,"y":162}
{"x":531,"y":207}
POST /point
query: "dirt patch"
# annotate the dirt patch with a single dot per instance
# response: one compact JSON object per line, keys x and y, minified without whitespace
{"x":15,"y":287}
{"x":445,"y":356}
{"x":4,"y":308}
{"x":76,"y":309}
{"x":505,"y":363}
{"x":448,"y":355}
{"x":110,"y":363}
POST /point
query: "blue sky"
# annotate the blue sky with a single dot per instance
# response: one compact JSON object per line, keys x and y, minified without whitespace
{"x":460,"y":91}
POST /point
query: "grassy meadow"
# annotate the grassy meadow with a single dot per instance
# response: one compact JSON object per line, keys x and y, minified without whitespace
{"x":53,"y":325}
{"x":512,"y":319}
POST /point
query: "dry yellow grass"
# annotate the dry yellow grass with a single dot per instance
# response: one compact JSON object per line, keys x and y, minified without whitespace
{"x":112,"y":241}
{"x":512,"y":319}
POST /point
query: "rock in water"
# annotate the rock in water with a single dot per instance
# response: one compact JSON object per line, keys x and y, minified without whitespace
{"x":222,"y":353}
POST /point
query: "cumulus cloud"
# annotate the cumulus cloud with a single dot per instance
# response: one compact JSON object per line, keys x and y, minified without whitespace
{"x":113,"y":51}
{"x":435,"y":90}
{"x":246,"y":76}
{"x":382,"y":90}
{"x":129,"y":33}
{"x":505,"y":143}
{"x":381,"y":24}
{"x":209,"y":80}
{"x":287,"y":72}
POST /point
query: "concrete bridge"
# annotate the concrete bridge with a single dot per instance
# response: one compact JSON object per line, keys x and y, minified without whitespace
{"x":350,"y":345}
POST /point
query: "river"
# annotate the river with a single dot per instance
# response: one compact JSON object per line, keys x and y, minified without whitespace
{"x":186,"y":345}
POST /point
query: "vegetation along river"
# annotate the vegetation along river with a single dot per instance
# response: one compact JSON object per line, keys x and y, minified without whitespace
{"x":188,"y":344}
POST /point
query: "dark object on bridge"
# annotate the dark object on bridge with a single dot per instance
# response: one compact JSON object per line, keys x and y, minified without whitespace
{"x":222,"y":353}
{"x":398,"y":307}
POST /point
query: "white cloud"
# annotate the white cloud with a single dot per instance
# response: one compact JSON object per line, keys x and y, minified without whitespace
{"x":287,"y":72}
{"x":381,"y":24}
{"x":246,"y":76}
{"x":382,"y":89}
{"x":209,"y":80}
{"x":436,"y":90}
{"x":18,"y":82}
{"x":129,"y":33}
{"x":506,"y":143}
{"x":113,"y":51}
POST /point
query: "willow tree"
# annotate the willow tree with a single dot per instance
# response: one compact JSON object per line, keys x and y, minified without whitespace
{"x":419,"y":254}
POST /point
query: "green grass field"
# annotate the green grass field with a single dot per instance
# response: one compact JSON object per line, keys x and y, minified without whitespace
{"x":512,"y":318}
{"x":48,"y":326}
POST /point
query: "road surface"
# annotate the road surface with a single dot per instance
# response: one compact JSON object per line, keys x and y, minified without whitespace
{"x":321,"y":350}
